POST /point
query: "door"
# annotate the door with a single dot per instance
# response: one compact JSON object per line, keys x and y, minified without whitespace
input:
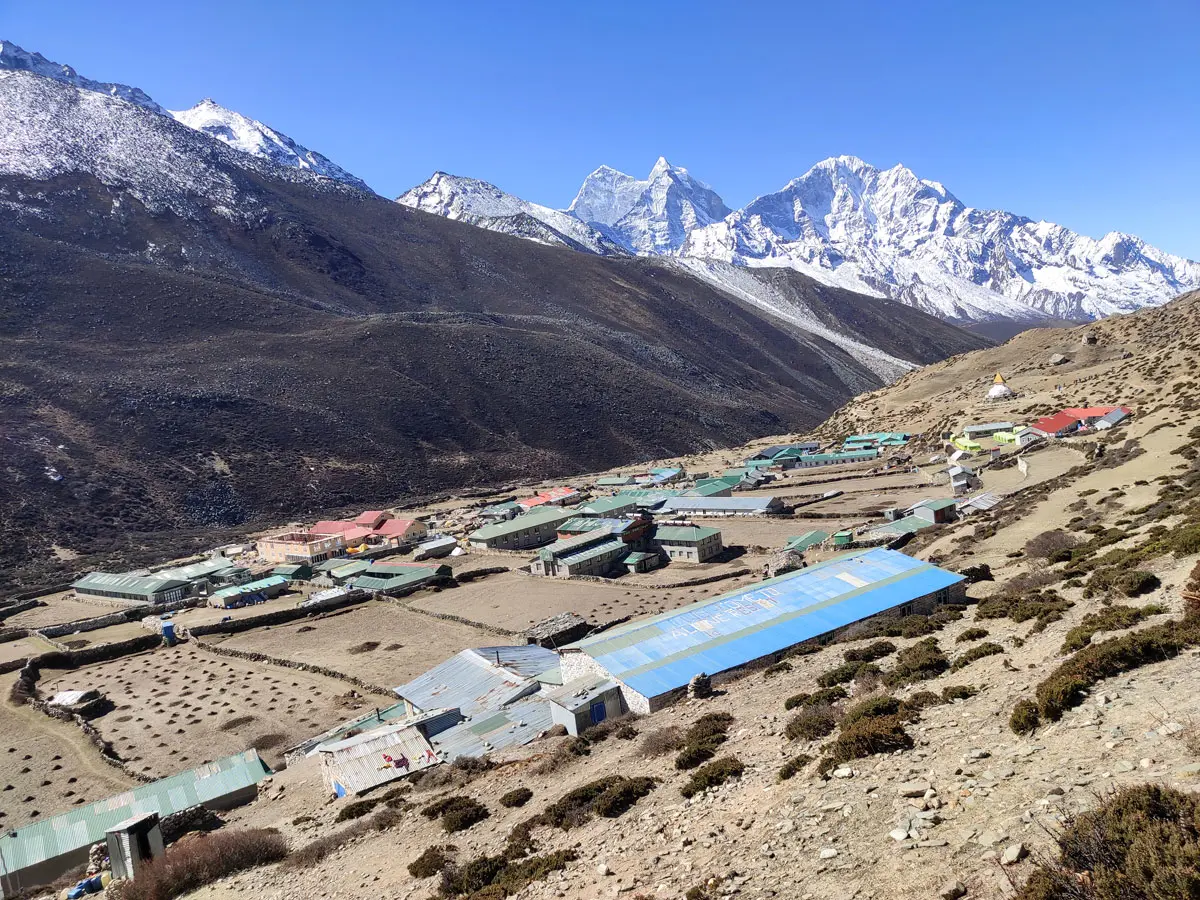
{"x":599,"y":712}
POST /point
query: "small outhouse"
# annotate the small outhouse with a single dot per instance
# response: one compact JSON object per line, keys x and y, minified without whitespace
{"x":133,"y":843}
{"x":580,"y":704}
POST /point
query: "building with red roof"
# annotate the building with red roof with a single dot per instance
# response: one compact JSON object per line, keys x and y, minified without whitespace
{"x":372,"y":518}
{"x":402,"y":531}
{"x":1057,"y":425}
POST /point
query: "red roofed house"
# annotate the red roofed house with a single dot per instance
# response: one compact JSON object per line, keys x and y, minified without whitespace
{"x":372,"y":519}
{"x":332,"y":526}
{"x":1057,"y":425}
{"x":559,"y":496}
{"x":1089,"y":415}
{"x":402,"y":531}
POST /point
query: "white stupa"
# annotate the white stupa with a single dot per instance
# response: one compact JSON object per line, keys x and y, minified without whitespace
{"x":999,"y":390}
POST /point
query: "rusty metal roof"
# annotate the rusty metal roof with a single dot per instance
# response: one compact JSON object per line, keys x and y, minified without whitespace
{"x":480,"y":680}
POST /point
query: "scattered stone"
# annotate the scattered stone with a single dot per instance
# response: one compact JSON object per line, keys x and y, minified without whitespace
{"x":913,"y":788}
{"x":1013,"y":854}
{"x":899,"y":835}
{"x":828,"y":853}
{"x":603,"y":870}
{"x":952,"y":890}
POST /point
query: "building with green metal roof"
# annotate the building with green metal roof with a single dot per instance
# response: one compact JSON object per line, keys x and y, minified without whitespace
{"x":294,"y":571}
{"x":534,"y":528}
{"x":250,"y":592}
{"x":39,"y":853}
{"x":398,"y":578}
{"x":145,"y":588}
{"x":804,"y":541}
{"x":688,"y":543}
{"x":845,"y":457}
{"x":617,"y":505}
{"x":592,"y":552}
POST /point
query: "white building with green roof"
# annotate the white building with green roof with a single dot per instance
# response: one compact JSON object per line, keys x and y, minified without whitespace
{"x":688,"y":543}
{"x":534,"y":528}
{"x":142,"y":588}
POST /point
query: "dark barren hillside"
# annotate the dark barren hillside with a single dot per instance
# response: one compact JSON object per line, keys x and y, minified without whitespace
{"x":171,"y":367}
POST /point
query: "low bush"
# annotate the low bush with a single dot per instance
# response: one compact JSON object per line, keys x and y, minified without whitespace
{"x":1065,"y":687}
{"x":1049,"y":544}
{"x":620,"y":797}
{"x":457,"y":813}
{"x":921,"y":661}
{"x":794,"y":766}
{"x":432,"y":862}
{"x":388,"y":817}
{"x":779,"y":668}
{"x":713,"y":775}
{"x":190,"y":865}
{"x":959,"y":692}
{"x":703,"y":739}
{"x":979,"y":651}
{"x":919,"y":701}
{"x":870,"y":653}
{"x":609,"y":728}
{"x":976,"y":574}
{"x":1110,"y":618}
{"x":1044,"y":606}
{"x":864,"y":738}
{"x":1024,"y":718}
{"x":496,"y":877}
{"x":316,"y":851}
{"x":872,"y":707}
{"x":356,"y":809}
{"x":1137,"y":582}
{"x":516,"y":797}
{"x":823,"y":697}
{"x":564,"y":754}
{"x":1140,"y":844}
{"x":811,"y":723}
{"x":661,"y":741}
{"x":842,"y":674}
{"x":975,"y":633}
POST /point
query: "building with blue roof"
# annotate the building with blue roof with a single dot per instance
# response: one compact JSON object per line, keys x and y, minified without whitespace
{"x":653,"y":659}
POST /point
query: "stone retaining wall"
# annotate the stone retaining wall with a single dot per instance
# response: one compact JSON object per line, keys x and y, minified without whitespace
{"x":251,"y":656}
{"x":447,"y":617}
{"x":13,"y":609}
{"x":472,"y":574}
{"x":278,"y":617}
{"x":132,"y":614}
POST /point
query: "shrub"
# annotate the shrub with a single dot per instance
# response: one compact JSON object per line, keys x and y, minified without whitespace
{"x":713,"y":775}
{"x":1050,"y":543}
{"x":1141,"y":844}
{"x":864,"y":738}
{"x":1110,"y":618}
{"x":794,"y":766}
{"x":920,"y":661}
{"x":496,"y":877}
{"x":779,"y":668}
{"x":188,"y":866}
{"x":564,"y":754}
{"x":974,"y":633}
{"x":463,"y":816}
{"x":959,"y":692}
{"x":516,"y":797}
{"x":1136,"y":583}
{"x":356,"y":809}
{"x":703,"y":739}
{"x":979,"y":651}
{"x":614,"y":727}
{"x":620,"y":797}
{"x":661,"y":741}
{"x":388,"y":817}
{"x":870,"y":653}
{"x":316,"y":851}
{"x":1024,"y":718}
{"x":1064,"y":687}
{"x":626,"y":732}
{"x":872,"y":707}
{"x":976,"y":574}
{"x":432,"y":862}
{"x":823,"y":697}
{"x":811,"y":723}
{"x":842,"y":674}
{"x":919,"y":701}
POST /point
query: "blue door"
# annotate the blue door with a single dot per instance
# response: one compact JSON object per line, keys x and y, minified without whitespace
{"x":599,"y":712}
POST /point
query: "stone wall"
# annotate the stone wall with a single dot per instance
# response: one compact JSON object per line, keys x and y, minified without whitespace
{"x":131,"y":614}
{"x":278,"y":617}
{"x":447,"y":617}
{"x":11,"y":609}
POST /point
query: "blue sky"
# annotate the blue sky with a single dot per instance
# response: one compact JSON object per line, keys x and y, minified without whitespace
{"x":1086,"y":114}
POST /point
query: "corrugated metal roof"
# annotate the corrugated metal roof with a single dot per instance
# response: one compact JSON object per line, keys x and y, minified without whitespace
{"x":683,"y":533}
{"x":988,"y":428}
{"x":546,"y":515}
{"x":906,"y":525}
{"x":942,"y":503}
{"x":579,"y":693}
{"x":741,"y":504}
{"x":480,"y":679}
{"x":806,"y":540}
{"x":376,"y":757}
{"x":81,"y":827}
{"x":251,"y":587}
{"x":844,"y":454}
{"x":719,"y":488}
{"x":982,"y":501}
{"x":606,"y":505}
{"x":575,"y":543}
{"x":662,"y":653}
{"x":129,"y":584}
{"x":583,"y":555}
{"x":197,"y":570}
{"x":512,"y":726}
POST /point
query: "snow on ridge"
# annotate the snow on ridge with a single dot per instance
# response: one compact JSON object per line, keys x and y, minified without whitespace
{"x":17,"y":59}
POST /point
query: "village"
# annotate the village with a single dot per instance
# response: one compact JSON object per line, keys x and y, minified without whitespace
{"x":464,"y":630}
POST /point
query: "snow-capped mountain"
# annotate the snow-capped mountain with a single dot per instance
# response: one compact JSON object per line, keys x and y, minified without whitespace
{"x":485,"y":205}
{"x":887,"y":233}
{"x":240,"y":132}
{"x":253,"y":137}
{"x":891,"y":233}
{"x":654,"y":216}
